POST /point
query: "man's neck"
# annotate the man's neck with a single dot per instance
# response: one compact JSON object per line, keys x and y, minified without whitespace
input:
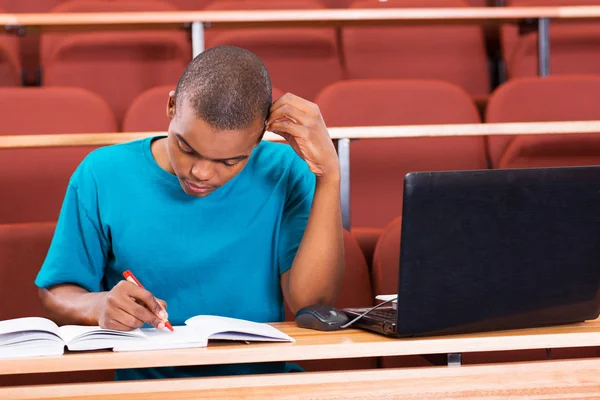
{"x":159,"y":152}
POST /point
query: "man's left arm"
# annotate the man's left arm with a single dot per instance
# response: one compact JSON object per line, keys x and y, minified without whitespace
{"x":318,"y":267}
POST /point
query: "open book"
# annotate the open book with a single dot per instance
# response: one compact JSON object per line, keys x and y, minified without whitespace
{"x":33,"y":336}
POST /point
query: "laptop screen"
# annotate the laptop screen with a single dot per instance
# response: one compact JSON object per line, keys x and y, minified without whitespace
{"x":499,"y":249}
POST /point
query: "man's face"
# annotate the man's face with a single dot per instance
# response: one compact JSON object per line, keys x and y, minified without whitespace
{"x":203,"y":158}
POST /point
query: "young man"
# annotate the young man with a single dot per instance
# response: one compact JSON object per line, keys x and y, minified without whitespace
{"x":210,"y":218}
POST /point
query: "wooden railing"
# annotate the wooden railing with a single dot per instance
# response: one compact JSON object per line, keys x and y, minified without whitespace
{"x":342,"y":135}
{"x":199,"y":20}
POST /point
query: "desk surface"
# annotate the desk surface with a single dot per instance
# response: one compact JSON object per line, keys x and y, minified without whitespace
{"x":265,"y":18}
{"x":314,"y":345}
{"x":540,"y":380}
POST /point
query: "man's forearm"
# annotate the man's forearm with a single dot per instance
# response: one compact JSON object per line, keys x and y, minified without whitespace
{"x":317,"y":272}
{"x":71,"y":304}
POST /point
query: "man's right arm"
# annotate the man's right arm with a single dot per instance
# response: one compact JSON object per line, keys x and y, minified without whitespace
{"x":125,"y":307}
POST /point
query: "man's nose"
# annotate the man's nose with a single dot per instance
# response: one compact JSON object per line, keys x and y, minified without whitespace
{"x":203,"y":170}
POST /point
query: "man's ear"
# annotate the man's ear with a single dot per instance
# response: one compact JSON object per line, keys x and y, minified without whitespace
{"x":171,"y":105}
{"x":260,"y":137}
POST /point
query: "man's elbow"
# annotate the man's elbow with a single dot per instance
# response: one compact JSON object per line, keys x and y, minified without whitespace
{"x":44,"y":297}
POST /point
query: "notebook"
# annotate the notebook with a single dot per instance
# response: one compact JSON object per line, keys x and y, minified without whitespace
{"x":36,"y":337}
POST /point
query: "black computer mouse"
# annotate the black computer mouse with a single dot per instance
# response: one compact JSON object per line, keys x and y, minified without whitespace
{"x":321,"y":318}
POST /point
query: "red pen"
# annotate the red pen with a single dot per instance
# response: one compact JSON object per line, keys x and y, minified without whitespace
{"x":131,"y":278}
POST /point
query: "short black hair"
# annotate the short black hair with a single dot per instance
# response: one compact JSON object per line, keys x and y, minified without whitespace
{"x":228,"y":87}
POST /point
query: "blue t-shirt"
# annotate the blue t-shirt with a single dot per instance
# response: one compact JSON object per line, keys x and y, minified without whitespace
{"x":221,"y":255}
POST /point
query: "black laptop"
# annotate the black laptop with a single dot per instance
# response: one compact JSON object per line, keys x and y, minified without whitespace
{"x":495,"y":249}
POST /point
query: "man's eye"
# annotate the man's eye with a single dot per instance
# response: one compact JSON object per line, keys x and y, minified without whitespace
{"x":184,"y":148}
{"x":230,"y":164}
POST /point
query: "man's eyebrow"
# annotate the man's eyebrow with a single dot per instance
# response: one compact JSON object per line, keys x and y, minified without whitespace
{"x":236,"y":158}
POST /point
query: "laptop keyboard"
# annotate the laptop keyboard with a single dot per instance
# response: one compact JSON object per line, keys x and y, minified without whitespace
{"x":384,"y":314}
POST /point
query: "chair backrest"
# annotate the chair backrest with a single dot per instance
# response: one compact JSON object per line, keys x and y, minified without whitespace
{"x":553,"y":98}
{"x":299,"y":60}
{"x":33,"y":181}
{"x":10,"y":64}
{"x":386,"y":260}
{"x":446,"y":52}
{"x":378,"y":166}
{"x":147,"y":112}
{"x":569,"y":41}
{"x":117,"y":65}
{"x":23,"y":248}
{"x":356,"y":292}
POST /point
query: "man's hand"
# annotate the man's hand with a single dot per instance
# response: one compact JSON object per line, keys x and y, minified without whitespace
{"x":128,"y":307}
{"x":300,"y":122}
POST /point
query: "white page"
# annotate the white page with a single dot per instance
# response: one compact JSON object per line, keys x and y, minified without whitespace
{"x":181,"y":337}
{"x":8,"y":339}
{"x":78,"y":337}
{"x":208,"y":325}
{"x":29,"y":337}
{"x":28,"y":324}
{"x":28,"y":350}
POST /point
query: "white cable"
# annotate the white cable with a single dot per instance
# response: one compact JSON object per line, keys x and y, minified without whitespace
{"x":368,"y":311}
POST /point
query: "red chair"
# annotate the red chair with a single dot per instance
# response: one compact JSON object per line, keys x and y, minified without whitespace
{"x":116,"y":65}
{"x":299,"y":60}
{"x":10,"y":64}
{"x":356,"y":292}
{"x":574,"y":44}
{"x":23,"y":248}
{"x":33,"y":181}
{"x":450,"y":53}
{"x":148,"y":113}
{"x":554,"y":98}
{"x":378,"y":166}
{"x":30,"y":43}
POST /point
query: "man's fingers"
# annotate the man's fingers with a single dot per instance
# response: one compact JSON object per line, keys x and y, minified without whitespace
{"x":290,"y":112}
{"x":143,"y":314}
{"x":285,"y":126}
{"x":120,"y":316}
{"x":162,"y":303}
{"x":114,"y":324}
{"x":298,"y":102}
{"x":148,"y":300}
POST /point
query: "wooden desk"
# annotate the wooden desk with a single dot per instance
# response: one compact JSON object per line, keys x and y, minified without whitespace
{"x":315,"y":345}
{"x":547,"y":380}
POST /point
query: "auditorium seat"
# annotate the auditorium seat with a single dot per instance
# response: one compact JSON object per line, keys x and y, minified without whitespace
{"x":451,"y":53}
{"x":378,"y":166}
{"x":148,"y":112}
{"x":574,"y":44}
{"x":33,"y":181}
{"x":192,"y":5}
{"x":117,"y":65}
{"x":23,"y":248}
{"x":553,"y":98}
{"x":384,"y":275}
{"x":29,"y":44}
{"x":299,"y":60}
{"x":356,"y":292}
{"x":10,"y":64}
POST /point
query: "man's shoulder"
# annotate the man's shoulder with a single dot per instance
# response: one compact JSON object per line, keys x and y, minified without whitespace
{"x":276,"y":157}
{"x":279,"y":162}
{"x":111,"y":161}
